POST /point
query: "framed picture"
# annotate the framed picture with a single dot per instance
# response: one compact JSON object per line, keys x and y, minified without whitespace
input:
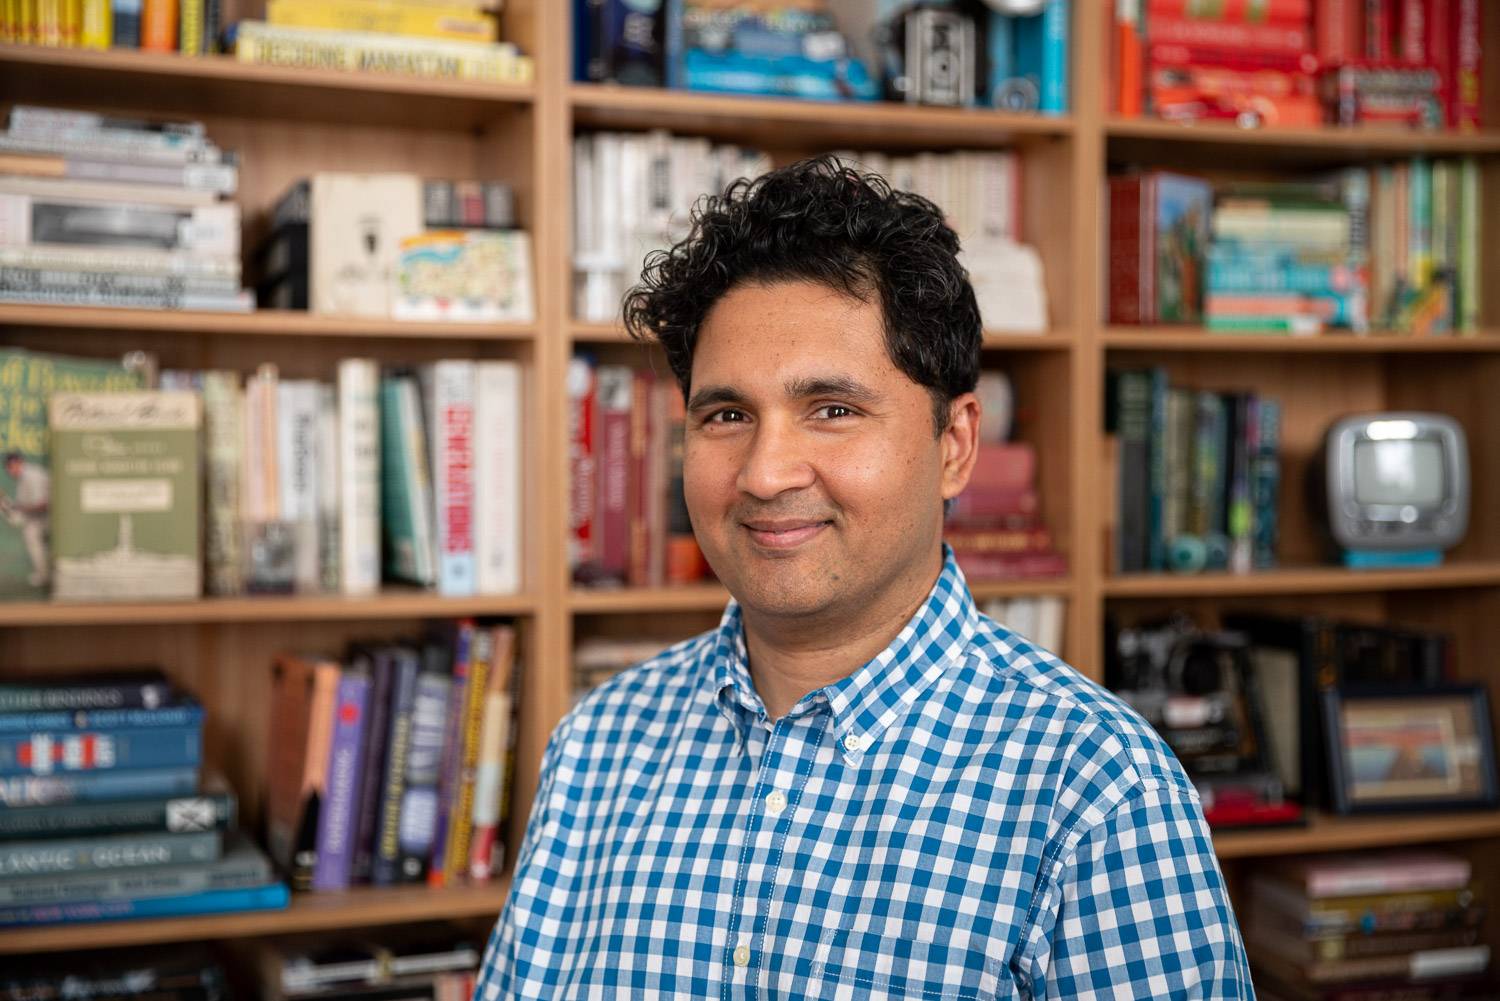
{"x":1393,"y":749}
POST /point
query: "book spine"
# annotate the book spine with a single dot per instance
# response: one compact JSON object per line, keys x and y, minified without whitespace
{"x":159,"y":25}
{"x":160,"y":816}
{"x":386,"y":866}
{"x":497,"y":477}
{"x":124,"y":851}
{"x":18,"y":697}
{"x":1128,"y":44}
{"x":1291,"y":39}
{"x":219,"y":178}
{"x":223,"y":404}
{"x":1468,"y":55}
{"x":45,"y":753}
{"x":126,"y":18}
{"x":448,"y":774}
{"x":235,"y":870}
{"x":272,"y":896}
{"x":271,"y":45}
{"x":1054,"y":89}
{"x":615,"y":389}
{"x":637,"y":502}
{"x":297,"y":453}
{"x":359,"y":480}
{"x":1243,"y":11}
{"x":190,"y":28}
{"x":336,"y":819}
{"x":1158,"y":456}
{"x":404,"y":504}
{"x":1134,"y":422}
{"x":96,"y":787}
{"x":582,"y":467}
{"x":97,"y":29}
{"x":453,"y":475}
{"x":330,"y":491}
{"x":454,"y":22}
{"x":1467,"y":309}
{"x":418,"y":812}
{"x":78,"y":720}
{"x":372,"y":767}
{"x":461,"y":808}
{"x":1128,"y":258}
{"x":490,"y":780}
{"x":1240,"y":513}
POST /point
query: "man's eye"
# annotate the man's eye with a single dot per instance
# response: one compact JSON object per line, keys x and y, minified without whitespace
{"x":725,"y":417}
{"x":832,"y":411}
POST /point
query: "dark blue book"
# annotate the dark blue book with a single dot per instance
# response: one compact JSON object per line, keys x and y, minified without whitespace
{"x":112,"y":690}
{"x":126,"y":15}
{"x":372,"y":765}
{"x":213,"y":809}
{"x":185,"y":713}
{"x":270,"y":897}
{"x":97,"y":787}
{"x":385,"y":867}
{"x":54,"y":752}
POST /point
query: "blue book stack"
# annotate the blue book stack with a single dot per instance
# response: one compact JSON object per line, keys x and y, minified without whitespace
{"x":102,"y":814}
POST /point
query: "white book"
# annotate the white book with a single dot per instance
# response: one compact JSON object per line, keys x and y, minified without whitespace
{"x":299,"y":460}
{"x":261,"y":494}
{"x":450,"y":429}
{"x":604,"y":301}
{"x":359,"y":475}
{"x":1049,"y":622}
{"x":223,"y":440}
{"x":129,"y":260}
{"x":203,"y":229}
{"x":585,"y":226}
{"x":354,"y":240}
{"x":106,"y":191}
{"x":498,"y":406}
{"x":329,"y":481}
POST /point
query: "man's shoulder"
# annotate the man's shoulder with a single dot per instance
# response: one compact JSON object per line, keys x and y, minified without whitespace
{"x":1099,"y":731}
{"x":660,"y":684}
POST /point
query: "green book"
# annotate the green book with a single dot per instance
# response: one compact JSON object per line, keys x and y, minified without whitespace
{"x":27,"y":379}
{"x":126,"y":495}
{"x":405,"y":490}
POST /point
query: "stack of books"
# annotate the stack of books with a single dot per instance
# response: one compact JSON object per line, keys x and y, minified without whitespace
{"x":435,"y":250}
{"x":1197,"y":475}
{"x":1391,"y":924}
{"x":190,"y":27}
{"x":453,"y":40}
{"x":103,"y":211}
{"x":101,"y":811}
{"x":628,"y":518}
{"x":392,"y":765}
{"x":1400,"y":63}
{"x":438,"y":965}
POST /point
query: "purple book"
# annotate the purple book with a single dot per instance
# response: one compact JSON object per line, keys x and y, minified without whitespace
{"x":337,"y":818}
{"x":372,"y":768}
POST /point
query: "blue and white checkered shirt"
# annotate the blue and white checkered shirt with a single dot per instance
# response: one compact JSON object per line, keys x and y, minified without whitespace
{"x":964,"y":817}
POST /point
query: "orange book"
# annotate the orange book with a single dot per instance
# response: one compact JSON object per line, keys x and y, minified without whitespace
{"x":1128,"y":56}
{"x":159,"y":25}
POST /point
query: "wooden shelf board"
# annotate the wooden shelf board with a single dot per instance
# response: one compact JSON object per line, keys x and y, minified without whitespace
{"x":1302,"y":580}
{"x":363,"y":907}
{"x":168,"y":83}
{"x":685,"y":598}
{"x":1325,"y":833}
{"x":1325,"y":142}
{"x":808,"y":125}
{"x":394,"y":603}
{"x":1199,"y":339}
{"x":263,"y":323}
{"x":1055,"y":340}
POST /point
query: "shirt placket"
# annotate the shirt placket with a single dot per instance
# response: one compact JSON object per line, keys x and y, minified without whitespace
{"x":790,"y":749}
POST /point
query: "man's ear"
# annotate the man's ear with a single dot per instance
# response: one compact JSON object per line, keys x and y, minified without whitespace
{"x":960,"y":444}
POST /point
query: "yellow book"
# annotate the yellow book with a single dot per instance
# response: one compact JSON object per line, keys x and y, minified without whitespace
{"x":456,"y":23}
{"x":98,"y":24}
{"x":49,"y":22}
{"x":70,"y":18}
{"x":190,"y":28}
{"x":8,"y":21}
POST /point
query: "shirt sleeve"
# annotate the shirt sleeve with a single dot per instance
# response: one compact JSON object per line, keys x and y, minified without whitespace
{"x":498,"y":975}
{"x":1137,"y":909}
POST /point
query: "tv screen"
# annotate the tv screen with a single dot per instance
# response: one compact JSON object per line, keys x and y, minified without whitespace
{"x":1399,"y":472}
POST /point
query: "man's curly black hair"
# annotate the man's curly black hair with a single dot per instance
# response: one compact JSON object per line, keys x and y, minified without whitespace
{"x":819,"y":220}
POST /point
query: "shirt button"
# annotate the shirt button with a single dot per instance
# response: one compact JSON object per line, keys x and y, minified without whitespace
{"x":742,"y":956}
{"x":853,"y":742}
{"x":776,"y":802}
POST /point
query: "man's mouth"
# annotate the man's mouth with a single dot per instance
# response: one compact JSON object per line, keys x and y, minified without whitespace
{"x":783,"y":533}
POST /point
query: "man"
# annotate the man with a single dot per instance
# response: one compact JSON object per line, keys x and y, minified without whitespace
{"x":27,"y":512}
{"x":857,"y":786}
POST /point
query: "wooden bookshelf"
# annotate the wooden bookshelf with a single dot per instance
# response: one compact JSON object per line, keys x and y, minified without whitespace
{"x":365,"y":907}
{"x":287,"y":124}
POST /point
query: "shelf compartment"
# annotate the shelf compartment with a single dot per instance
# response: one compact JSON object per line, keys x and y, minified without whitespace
{"x":1326,"y":833}
{"x":1154,"y":140}
{"x":263,"y":323}
{"x":1161,"y":338}
{"x":781,"y":122}
{"x":393,"y":603}
{"x":1302,"y":580}
{"x":362,"y":907}
{"x":172,"y":84}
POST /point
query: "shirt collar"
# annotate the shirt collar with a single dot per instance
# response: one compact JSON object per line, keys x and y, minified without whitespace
{"x":864,"y":704}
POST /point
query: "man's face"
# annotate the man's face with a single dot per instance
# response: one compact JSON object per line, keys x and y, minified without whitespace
{"x":811,"y":470}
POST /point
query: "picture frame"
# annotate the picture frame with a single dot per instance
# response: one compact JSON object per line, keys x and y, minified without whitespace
{"x":1395,"y":749}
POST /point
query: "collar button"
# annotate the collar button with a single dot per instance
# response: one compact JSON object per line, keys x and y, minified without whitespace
{"x":853,"y":743}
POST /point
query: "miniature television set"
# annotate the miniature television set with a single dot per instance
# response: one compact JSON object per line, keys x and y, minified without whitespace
{"x":1396,"y":487}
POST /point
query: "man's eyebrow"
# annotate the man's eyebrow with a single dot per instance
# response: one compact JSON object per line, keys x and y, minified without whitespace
{"x":842,"y":386}
{"x":710,"y":396}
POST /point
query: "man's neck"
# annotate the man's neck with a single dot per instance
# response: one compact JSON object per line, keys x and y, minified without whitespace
{"x":789,"y":658}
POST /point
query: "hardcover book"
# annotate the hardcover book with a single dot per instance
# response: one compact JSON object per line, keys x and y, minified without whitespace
{"x":125,"y":515}
{"x":358,"y":223}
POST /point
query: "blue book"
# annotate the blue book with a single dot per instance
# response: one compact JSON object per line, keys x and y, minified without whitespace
{"x":52,"y":752}
{"x":386,"y":865}
{"x":336,"y":820}
{"x":97,"y":787}
{"x":117,"y":690}
{"x":271,"y":897}
{"x":1041,"y":53}
{"x":187,"y":713}
{"x":1156,"y":543}
{"x":1000,"y":50}
{"x":126,"y":17}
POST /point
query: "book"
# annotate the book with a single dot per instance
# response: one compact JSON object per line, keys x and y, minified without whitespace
{"x":241,"y":866}
{"x":97,"y":786}
{"x":297,"y":454}
{"x":71,"y":692}
{"x":409,"y":550}
{"x":46,"y":752}
{"x":449,"y":387}
{"x":125,"y":522}
{"x":461,"y":801}
{"x":468,"y":276}
{"x":1380,"y":872}
{"x":304,"y":691}
{"x":498,"y":410}
{"x":492,"y":775}
{"x":373,"y":52}
{"x":223,"y":427}
{"x":359,"y":476}
{"x":386,"y":865}
{"x":177,"y":712}
{"x":355,"y":252}
{"x":429,"y":720}
{"x":450,"y":765}
{"x":268,"y":897}
{"x":451,"y":21}
{"x":338,"y":816}
{"x":382,"y":662}
{"x":107,"y":852}
{"x":211,"y":809}
{"x":1158,"y":234}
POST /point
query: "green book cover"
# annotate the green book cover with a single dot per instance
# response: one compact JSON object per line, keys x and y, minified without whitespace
{"x":27,"y":379}
{"x":126,"y":495}
{"x":405,"y":493}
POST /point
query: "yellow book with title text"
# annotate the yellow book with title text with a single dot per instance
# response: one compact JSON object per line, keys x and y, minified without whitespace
{"x":458,"y":23}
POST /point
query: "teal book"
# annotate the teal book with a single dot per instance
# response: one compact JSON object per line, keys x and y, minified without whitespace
{"x":405,"y":484}
{"x":270,"y":897}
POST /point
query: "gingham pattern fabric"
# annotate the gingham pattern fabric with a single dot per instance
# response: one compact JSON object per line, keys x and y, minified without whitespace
{"x":964,"y":817}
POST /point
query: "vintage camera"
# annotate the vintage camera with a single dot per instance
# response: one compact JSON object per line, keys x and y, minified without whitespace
{"x":931,"y":56}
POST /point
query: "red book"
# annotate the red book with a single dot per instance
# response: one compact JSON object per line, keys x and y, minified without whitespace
{"x":1011,"y":566}
{"x":1413,"y":32}
{"x":1338,"y":31}
{"x":1192,"y":56}
{"x":1132,"y":250}
{"x":616,"y":389}
{"x":1379,"y":31}
{"x":1466,"y":73}
{"x":638,"y":565}
{"x":1008,"y":509}
{"x":1285,"y":39}
{"x":1004,"y":468}
{"x":582,"y":469}
{"x":1441,"y":35}
{"x":999,"y":540}
{"x":1242,"y":11}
